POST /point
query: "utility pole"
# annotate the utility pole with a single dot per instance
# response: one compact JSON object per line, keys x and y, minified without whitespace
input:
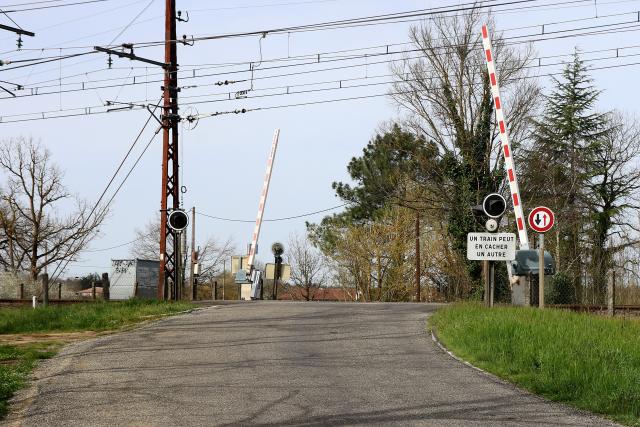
{"x":170,"y":199}
{"x":193,"y":253}
{"x":224,"y":276}
{"x":418,"y":298}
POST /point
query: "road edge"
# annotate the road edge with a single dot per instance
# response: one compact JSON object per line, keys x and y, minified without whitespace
{"x":514,"y":386}
{"x":22,"y":400}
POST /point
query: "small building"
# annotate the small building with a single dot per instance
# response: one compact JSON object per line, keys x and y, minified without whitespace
{"x":134,"y":278}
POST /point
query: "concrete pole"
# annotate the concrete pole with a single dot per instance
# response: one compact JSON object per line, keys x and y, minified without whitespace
{"x":193,"y":253}
{"x":611,"y":294}
{"x":541,"y":270}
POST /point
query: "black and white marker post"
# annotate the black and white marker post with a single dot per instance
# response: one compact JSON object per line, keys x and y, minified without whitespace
{"x":541,"y":220}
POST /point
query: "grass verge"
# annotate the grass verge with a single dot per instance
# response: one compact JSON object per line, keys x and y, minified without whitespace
{"x":16,"y":364}
{"x":587,"y":361}
{"x":99,"y":316}
{"x":17,"y":361}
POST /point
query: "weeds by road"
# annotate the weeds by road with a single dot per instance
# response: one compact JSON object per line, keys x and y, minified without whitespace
{"x":587,"y":361}
{"x":18,"y":359}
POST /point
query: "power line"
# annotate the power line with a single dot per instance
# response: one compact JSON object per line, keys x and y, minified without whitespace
{"x":542,"y":26}
{"x":112,"y":247}
{"x":274,"y":219}
{"x":138,"y":105}
{"x":78,"y":3}
{"x":35,"y":91}
{"x":362,"y":97}
{"x":104,"y":192}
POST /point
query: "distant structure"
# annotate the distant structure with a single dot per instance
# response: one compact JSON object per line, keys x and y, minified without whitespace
{"x":134,"y":278}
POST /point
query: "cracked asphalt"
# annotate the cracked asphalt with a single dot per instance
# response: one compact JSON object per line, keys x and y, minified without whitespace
{"x":278,"y":363}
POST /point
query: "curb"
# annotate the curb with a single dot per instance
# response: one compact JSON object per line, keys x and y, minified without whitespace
{"x":443,"y":348}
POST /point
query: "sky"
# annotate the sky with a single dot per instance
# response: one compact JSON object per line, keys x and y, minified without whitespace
{"x":223,"y":159}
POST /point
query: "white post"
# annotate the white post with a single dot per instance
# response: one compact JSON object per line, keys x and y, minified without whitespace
{"x":34,"y":301}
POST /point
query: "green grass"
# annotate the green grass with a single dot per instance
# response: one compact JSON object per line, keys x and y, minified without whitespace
{"x":584,"y":360}
{"x":17,"y":362}
{"x":99,"y":316}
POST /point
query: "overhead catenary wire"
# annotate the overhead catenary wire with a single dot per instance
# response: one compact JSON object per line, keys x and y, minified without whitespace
{"x":542,"y":25}
{"x":96,"y":206}
{"x":288,"y":218}
{"x":141,"y":44}
{"x":131,"y":106}
{"x":35,"y":91}
{"x":54,"y":6}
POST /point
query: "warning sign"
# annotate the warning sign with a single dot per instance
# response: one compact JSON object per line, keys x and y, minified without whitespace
{"x":491,"y":246}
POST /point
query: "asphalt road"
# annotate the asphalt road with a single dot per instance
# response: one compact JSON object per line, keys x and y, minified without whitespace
{"x":285,"y":364}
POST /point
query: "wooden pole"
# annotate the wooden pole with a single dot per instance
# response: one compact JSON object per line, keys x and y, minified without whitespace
{"x":106,"y":287}
{"x":492,"y":282}
{"x":485,"y":276}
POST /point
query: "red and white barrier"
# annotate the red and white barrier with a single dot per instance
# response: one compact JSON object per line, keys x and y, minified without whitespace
{"x":263,"y":200}
{"x":504,"y":138}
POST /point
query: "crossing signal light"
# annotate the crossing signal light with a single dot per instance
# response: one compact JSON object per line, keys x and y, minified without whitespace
{"x":178,"y":220}
{"x":494,"y":205}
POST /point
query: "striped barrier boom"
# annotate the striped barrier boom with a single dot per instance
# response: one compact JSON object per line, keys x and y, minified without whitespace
{"x":504,"y":139}
{"x":263,"y":200}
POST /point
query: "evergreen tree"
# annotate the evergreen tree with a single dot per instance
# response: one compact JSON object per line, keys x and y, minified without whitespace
{"x":560,"y":163}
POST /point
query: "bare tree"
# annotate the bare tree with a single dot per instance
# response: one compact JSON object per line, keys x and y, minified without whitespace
{"x":307,"y":265}
{"x":611,"y":194}
{"x":446,"y":92}
{"x":147,"y":240}
{"x":35,"y":234}
{"x":211,"y":257}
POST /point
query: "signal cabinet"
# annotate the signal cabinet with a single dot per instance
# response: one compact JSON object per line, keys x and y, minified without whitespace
{"x":134,"y":278}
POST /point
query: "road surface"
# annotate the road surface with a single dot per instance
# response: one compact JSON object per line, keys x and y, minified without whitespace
{"x":284,"y":364}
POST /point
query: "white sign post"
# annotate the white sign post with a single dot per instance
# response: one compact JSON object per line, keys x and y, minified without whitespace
{"x":491,"y":246}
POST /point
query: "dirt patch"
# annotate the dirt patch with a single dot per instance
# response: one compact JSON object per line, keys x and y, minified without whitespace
{"x":65,"y":337}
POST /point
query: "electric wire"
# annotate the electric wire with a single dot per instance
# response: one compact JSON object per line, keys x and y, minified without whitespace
{"x":35,"y":91}
{"x":288,"y":218}
{"x":104,"y":192}
{"x":137,"y":105}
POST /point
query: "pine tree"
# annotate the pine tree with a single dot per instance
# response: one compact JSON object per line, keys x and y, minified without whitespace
{"x":559,"y":164}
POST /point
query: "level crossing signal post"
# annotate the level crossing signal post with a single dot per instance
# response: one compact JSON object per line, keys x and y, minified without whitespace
{"x":491,"y":246}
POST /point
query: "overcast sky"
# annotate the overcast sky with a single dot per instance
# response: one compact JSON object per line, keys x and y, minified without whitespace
{"x":224,"y":158}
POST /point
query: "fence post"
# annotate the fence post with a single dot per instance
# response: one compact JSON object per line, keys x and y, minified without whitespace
{"x":45,"y":289}
{"x":105,"y":286}
{"x":21,"y":291}
{"x":59,"y":291}
{"x":611,"y":294}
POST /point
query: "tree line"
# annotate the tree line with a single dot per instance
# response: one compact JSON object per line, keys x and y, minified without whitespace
{"x":412,"y":188}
